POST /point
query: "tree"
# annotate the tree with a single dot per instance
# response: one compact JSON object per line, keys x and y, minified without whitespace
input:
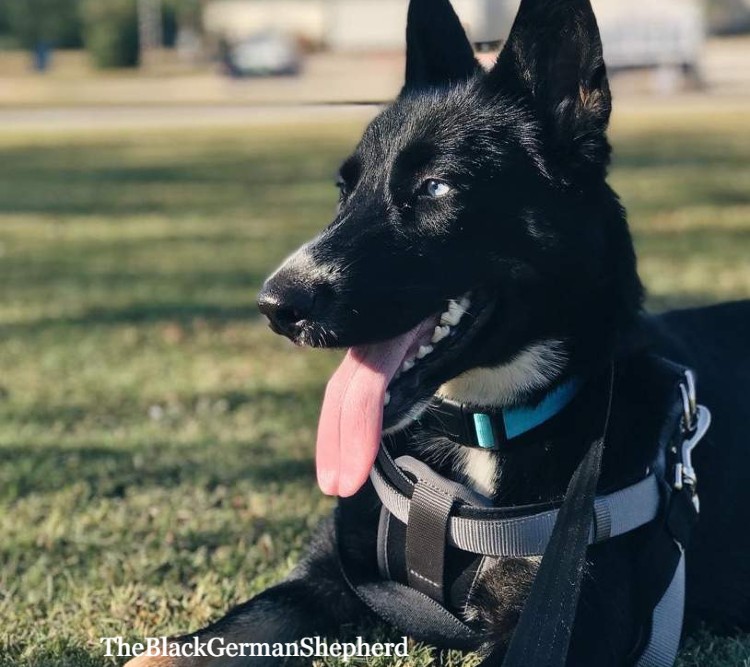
{"x":110,"y":32}
{"x":52,"y":22}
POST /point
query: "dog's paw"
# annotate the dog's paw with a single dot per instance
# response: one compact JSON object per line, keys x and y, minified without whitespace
{"x":166,"y":660}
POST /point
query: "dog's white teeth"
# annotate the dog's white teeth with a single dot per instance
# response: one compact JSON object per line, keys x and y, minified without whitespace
{"x":440,"y":333}
{"x":452,"y":316}
{"x":465,"y":303}
{"x":424,"y":350}
{"x":387,"y":398}
{"x":408,"y":365}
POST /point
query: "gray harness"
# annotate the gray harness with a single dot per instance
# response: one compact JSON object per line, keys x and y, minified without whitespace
{"x":435,"y":512}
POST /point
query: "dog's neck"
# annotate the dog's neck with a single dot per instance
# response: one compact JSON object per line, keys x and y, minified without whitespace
{"x":530,"y":371}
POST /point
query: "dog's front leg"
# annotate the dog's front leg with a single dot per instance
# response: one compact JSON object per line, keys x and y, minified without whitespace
{"x":314,"y":601}
{"x":285,"y":613}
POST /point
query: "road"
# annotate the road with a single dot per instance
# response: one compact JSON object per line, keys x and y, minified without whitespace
{"x":88,"y":117}
{"x":156,"y":116}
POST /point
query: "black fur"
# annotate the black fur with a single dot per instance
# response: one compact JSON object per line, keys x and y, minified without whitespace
{"x":532,"y":229}
{"x":526,"y":154}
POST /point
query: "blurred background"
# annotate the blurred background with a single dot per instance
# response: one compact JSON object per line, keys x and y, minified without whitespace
{"x":157,"y":159}
{"x":203,"y":51}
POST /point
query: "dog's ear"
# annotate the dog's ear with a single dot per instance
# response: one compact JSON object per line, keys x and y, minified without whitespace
{"x":553,"y":58}
{"x":437,"y":49}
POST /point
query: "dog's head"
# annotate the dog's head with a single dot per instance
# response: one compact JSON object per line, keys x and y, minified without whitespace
{"x":474,"y":219}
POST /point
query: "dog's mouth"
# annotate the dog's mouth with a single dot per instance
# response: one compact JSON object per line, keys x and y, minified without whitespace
{"x":437,"y":339}
{"x":383,"y":385}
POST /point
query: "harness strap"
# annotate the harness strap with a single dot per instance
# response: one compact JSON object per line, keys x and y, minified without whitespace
{"x":544,"y":628}
{"x":429,"y":511}
{"x":621,"y":511}
{"x":615,"y":514}
{"x":404,"y":607}
{"x":425,"y":539}
{"x":666,"y":623}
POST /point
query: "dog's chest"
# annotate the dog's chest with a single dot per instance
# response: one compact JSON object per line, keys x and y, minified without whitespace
{"x":488,"y":591}
{"x":476,"y":468}
{"x":479,"y":468}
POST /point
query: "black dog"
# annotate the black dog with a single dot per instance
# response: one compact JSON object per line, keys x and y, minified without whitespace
{"x":479,"y":255}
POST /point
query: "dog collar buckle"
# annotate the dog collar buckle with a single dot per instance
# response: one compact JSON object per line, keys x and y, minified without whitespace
{"x":696,"y":420}
{"x":484,"y":431}
{"x":458,"y":422}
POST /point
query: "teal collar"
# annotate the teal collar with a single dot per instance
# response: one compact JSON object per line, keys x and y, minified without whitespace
{"x":492,"y":429}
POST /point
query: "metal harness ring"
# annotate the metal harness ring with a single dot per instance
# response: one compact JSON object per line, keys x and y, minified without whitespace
{"x":689,"y":402}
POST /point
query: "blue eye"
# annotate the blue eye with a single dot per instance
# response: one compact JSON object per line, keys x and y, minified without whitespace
{"x":435,"y":188}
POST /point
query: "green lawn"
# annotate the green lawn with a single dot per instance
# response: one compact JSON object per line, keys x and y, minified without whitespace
{"x":155,"y":439}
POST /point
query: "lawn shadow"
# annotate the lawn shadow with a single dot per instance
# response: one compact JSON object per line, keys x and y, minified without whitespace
{"x":108,"y":178}
{"x":183,"y":313}
{"x":113,"y":473}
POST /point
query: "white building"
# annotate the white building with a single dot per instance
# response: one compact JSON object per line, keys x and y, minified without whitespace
{"x":635,"y":33}
{"x":347,"y":25}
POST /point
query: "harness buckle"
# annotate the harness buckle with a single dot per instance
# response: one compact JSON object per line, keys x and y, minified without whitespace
{"x":696,"y":420}
{"x":689,"y":401}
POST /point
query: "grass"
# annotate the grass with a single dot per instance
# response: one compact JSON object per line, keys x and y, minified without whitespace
{"x":155,"y":439}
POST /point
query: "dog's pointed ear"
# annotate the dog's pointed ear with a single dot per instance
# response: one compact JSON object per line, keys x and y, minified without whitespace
{"x":553,"y":58}
{"x":437,"y":49}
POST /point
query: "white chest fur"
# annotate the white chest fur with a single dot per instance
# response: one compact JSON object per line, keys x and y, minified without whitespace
{"x":480,"y":468}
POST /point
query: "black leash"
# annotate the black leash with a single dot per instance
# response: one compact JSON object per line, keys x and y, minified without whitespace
{"x":542,"y":636}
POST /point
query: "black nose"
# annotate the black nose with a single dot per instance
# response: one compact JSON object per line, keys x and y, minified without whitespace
{"x":286,"y":305}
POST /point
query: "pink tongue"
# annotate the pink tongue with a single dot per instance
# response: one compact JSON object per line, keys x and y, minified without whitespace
{"x":351,"y":419}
